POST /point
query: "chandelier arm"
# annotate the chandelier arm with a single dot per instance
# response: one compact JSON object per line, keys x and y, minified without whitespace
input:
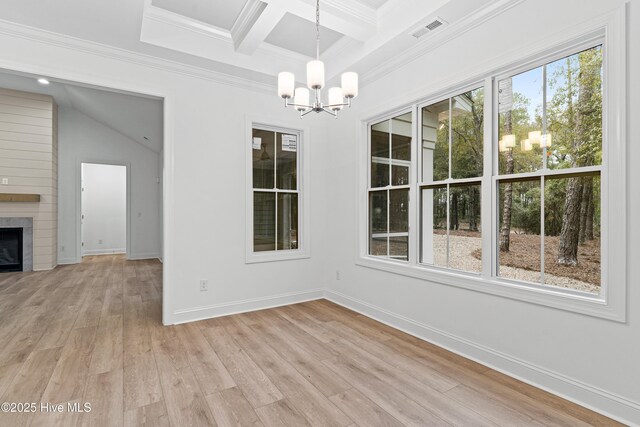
{"x":333,"y":113}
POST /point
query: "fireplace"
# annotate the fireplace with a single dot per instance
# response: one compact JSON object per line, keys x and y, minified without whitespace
{"x":11,"y":249}
{"x":16,"y":244}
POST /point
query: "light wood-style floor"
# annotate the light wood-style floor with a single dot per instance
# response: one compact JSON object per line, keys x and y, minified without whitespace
{"x":92,"y":333}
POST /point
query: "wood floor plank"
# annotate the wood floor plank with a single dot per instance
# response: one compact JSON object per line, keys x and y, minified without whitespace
{"x":182,"y":395}
{"x":104,"y":392}
{"x":108,"y":351}
{"x":151,"y":415}
{"x":209,"y":370}
{"x":434,"y":401}
{"x":69,"y":377}
{"x":141,"y":381}
{"x":93,"y":332}
{"x":315,"y":407}
{"x":254,"y":383}
{"x":307,"y":364}
{"x":230,"y":409}
{"x":364,"y":411}
{"x":392,"y":401}
{"x":281,"y":413}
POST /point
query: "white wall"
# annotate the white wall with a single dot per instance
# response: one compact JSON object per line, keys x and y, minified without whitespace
{"x":104,"y":209}
{"x":588,"y":359}
{"x":83,"y":139}
{"x":205,"y":124}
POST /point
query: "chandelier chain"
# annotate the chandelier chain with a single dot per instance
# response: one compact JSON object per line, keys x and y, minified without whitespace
{"x":317,"y":29}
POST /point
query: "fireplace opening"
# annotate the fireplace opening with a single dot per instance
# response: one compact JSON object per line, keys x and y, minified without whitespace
{"x":10,"y":249}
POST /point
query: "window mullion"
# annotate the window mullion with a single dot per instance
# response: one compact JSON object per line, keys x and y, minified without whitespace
{"x":488,"y":218}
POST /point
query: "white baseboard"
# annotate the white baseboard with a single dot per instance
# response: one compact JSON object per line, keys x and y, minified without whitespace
{"x":91,"y":252}
{"x":594,"y":398}
{"x":148,"y":255}
{"x":243,"y":306}
{"x":66,"y":261}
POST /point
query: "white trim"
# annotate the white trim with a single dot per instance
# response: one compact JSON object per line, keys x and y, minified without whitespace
{"x":583,"y":394}
{"x":92,"y":252}
{"x":611,"y":303}
{"x":144,"y":255}
{"x":304,"y":204}
{"x":243,"y":306}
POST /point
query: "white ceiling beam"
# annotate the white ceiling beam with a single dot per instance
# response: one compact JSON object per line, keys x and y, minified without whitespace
{"x":254,"y":24}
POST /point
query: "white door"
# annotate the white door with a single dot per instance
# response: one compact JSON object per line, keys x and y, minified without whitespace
{"x":104,"y":209}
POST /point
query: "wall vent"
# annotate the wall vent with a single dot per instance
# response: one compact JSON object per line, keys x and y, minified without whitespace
{"x":431,"y":26}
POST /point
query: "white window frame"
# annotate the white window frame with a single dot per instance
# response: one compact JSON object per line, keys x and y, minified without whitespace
{"x":610,"y":304}
{"x":303,"y":250}
{"x":410,"y":186}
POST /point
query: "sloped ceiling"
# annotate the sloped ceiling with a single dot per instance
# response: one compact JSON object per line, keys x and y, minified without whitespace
{"x":136,"y":117}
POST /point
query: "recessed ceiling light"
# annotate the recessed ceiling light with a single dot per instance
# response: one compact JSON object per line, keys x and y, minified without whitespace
{"x":43,"y":81}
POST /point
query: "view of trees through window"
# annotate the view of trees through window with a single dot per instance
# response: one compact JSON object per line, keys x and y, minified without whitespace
{"x":546,"y":169}
{"x":452,"y":150}
{"x":550,"y":121}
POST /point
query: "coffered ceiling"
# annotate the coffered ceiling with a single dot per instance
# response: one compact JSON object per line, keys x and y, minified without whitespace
{"x":256,"y":39}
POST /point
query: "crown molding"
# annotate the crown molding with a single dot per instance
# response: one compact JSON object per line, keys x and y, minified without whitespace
{"x":450,"y":32}
{"x":37,"y":35}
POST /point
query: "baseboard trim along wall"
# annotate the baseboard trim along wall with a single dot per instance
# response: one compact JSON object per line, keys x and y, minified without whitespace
{"x":594,"y":398}
{"x":104,"y":252}
{"x":243,"y":306}
{"x":149,"y":255}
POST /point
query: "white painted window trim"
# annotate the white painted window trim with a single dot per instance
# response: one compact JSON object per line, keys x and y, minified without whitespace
{"x":303,"y":250}
{"x":610,"y":30}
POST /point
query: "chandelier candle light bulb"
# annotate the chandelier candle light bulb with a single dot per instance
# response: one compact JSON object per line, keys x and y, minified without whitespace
{"x":315,"y":82}
{"x":286,"y":84}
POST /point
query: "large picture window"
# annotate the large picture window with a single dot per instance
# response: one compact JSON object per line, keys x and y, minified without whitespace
{"x":507,"y":185}
{"x":275,"y":158}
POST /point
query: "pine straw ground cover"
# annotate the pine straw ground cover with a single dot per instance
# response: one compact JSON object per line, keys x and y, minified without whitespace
{"x":524,"y":253}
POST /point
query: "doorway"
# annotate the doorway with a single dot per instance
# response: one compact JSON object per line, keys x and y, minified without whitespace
{"x":104,"y":209}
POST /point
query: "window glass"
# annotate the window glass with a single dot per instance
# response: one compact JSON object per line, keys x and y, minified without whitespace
{"x":287,"y":221}
{"x":287,"y":161}
{"x":263,"y":158}
{"x":467,"y":134}
{"x":264,"y":221}
{"x":435,"y":142}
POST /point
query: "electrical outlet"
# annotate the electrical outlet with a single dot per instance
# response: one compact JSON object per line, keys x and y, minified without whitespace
{"x":337,"y":274}
{"x":100,"y":241}
{"x":62,"y":248}
{"x":5,"y":181}
{"x":204,"y":285}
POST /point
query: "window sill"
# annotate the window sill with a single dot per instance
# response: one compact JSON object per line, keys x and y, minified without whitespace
{"x":273,"y":256}
{"x":583,"y":303}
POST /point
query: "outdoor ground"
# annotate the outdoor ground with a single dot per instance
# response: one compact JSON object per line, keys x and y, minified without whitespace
{"x":522,"y":262}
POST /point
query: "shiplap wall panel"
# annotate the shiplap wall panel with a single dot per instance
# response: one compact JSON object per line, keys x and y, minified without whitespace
{"x":29,"y":160}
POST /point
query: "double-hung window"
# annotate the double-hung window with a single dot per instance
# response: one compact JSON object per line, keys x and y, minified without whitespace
{"x":275,"y":193}
{"x":511,"y":183}
{"x":390,"y":166}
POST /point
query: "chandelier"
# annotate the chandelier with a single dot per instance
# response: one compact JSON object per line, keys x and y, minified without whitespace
{"x":315,"y":82}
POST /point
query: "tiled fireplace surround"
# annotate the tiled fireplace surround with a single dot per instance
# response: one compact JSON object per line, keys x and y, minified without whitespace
{"x":27,"y":238}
